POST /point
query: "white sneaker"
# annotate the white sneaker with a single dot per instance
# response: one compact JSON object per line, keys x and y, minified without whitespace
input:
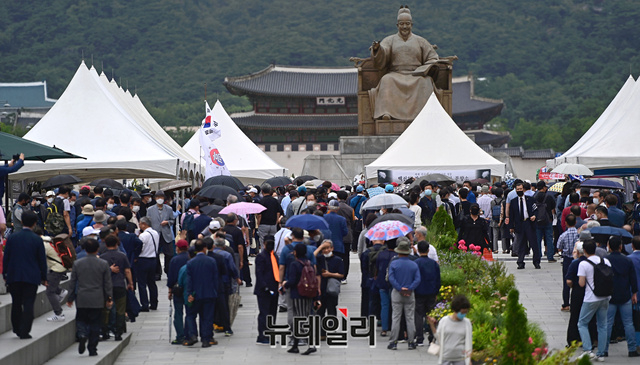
{"x":56,"y":318}
{"x":344,"y":282}
{"x":63,"y":295}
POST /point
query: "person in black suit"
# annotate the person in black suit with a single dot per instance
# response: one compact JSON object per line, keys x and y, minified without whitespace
{"x":202,"y":288}
{"x":266,"y":288}
{"x":522,"y":216}
{"x":24,"y":268}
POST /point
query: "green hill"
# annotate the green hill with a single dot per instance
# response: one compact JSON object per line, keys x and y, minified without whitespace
{"x":556,"y":63}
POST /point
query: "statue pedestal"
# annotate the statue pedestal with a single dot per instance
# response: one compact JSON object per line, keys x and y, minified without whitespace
{"x":391,"y":127}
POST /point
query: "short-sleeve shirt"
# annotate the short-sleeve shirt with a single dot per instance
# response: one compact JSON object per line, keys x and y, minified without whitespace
{"x":586,"y":269}
{"x":120,"y":260}
{"x":270,"y":215}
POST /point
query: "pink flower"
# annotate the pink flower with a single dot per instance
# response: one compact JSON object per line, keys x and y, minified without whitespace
{"x":461,"y":242}
{"x":530,"y":340}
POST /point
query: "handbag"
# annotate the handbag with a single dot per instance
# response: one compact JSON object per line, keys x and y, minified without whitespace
{"x":434,"y":349}
{"x":333,"y":284}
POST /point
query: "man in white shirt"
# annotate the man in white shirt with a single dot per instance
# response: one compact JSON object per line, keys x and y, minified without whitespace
{"x":145,"y":266}
{"x":592,"y":305}
{"x":421,"y":235}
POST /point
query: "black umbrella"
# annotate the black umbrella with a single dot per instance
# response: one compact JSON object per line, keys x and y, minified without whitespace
{"x":393,"y":217}
{"x":60,"y":180}
{"x":211,"y":210}
{"x":278,"y":181}
{"x":230,"y":181}
{"x":217,"y":192}
{"x":303,"y":179}
{"x":107,"y":183}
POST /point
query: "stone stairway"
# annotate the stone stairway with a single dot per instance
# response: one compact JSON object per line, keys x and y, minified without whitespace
{"x":52,"y":342}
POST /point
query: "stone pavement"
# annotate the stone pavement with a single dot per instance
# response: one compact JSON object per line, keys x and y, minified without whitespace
{"x":540,"y":293}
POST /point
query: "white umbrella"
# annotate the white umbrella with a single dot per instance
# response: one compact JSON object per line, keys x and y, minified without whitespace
{"x":384,"y":201}
{"x":572,"y":169}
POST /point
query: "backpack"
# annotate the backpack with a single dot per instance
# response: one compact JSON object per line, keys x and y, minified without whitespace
{"x":308,"y":284}
{"x":64,"y":248}
{"x":542,"y":217}
{"x":54,"y":224}
{"x":602,"y":279}
{"x":495,"y":211}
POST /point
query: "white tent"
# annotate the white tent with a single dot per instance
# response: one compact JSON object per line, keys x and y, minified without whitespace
{"x":433,"y":142}
{"x":612,"y":141}
{"x":243,"y":158}
{"x":90,"y":121}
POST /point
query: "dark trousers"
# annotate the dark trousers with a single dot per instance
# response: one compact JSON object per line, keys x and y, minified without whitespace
{"x":23,"y":296}
{"x":222,"y":310}
{"x":114,"y":318}
{"x":577,"y":297}
{"x":146,"y":275}
{"x":169,"y":250}
{"x":527,"y":239}
{"x":204,"y":309}
{"x":566,"y":261}
{"x":267,"y":306}
{"x":178,"y":317}
{"x":88,"y":323}
{"x":424,"y":305}
{"x":329,"y":304}
{"x":506,"y":238}
{"x":245,"y":273}
{"x":53,"y":290}
{"x":364,"y":301}
{"x":374,"y":302}
{"x":345,"y":260}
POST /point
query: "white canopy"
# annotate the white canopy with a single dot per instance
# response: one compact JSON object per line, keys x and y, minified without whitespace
{"x":434,"y":142}
{"x":95,"y":120}
{"x":612,"y":141}
{"x":243,"y":158}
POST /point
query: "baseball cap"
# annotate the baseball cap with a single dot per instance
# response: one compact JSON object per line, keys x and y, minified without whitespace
{"x":253,"y":190}
{"x":182,"y":244}
{"x":333,"y":195}
{"x":50,"y":193}
{"x":360,"y":189}
{"x":388,"y":188}
{"x":302,"y":189}
{"x":214,"y":224}
{"x":87,"y":231}
{"x":334,"y":203}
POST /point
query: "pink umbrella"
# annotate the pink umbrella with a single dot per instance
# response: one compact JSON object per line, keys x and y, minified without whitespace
{"x":243,"y":208}
{"x":388,"y":230}
{"x":335,"y":187}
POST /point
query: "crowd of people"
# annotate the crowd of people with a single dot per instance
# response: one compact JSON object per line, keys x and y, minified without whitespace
{"x":118,"y":246}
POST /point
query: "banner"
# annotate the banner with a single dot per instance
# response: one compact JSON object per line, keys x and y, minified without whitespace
{"x":550,"y":176}
{"x":400,"y":176}
{"x":209,"y":132}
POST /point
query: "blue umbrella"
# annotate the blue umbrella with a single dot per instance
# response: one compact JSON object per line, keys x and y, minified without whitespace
{"x":611,"y":231}
{"x":601,"y":183}
{"x":308,"y":222}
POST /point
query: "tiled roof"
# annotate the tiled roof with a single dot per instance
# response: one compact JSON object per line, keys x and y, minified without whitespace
{"x":295,"y":121}
{"x":25,"y":95}
{"x":296,"y":81}
{"x":538,"y":154}
{"x":465,"y":102}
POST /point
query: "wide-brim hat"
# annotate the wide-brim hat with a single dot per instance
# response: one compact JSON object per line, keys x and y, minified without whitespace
{"x":88,"y":210}
{"x":99,"y":216}
{"x":404,"y":247}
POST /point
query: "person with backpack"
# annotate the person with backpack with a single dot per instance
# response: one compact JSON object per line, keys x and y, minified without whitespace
{"x":60,"y":258}
{"x":188,"y":219}
{"x":381,"y":264}
{"x":625,"y":294}
{"x":64,"y":208}
{"x":544,"y":219}
{"x":302,"y":283}
{"x":596,"y":276}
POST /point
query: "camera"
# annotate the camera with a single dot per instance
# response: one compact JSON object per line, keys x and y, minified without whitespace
{"x":16,"y":157}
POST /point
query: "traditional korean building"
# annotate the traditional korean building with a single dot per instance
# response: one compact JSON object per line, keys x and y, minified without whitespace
{"x":304,"y":105}
{"x":23,"y":104}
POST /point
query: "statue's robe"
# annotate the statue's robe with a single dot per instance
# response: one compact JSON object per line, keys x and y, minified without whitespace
{"x":400,"y":94}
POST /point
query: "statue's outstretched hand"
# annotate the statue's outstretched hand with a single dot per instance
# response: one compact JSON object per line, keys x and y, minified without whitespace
{"x":375,"y":46}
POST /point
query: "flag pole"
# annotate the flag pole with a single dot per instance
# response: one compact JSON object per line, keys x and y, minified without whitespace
{"x":205,"y":91}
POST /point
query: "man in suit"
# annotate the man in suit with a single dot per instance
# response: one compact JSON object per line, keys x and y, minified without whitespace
{"x":24,"y":267}
{"x":161,"y":216}
{"x":202,"y":290}
{"x":266,"y":288}
{"x":616,"y":216}
{"x":339,"y":230}
{"x":91,"y":276}
{"x":522,"y":214}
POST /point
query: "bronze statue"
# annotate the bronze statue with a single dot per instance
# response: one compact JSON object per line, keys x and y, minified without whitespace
{"x":409,"y":80}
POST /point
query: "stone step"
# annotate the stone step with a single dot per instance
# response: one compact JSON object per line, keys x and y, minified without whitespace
{"x":49,"y":339}
{"x":108,"y":352}
{"x":41,"y":306}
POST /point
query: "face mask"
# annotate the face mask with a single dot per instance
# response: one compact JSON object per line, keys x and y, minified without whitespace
{"x":37,"y":203}
{"x":109,"y":206}
{"x":596,"y":201}
{"x":520,"y":193}
{"x":50,"y":200}
{"x":135,"y":209}
{"x":461,"y":315}
{"x":160,"y":201}
{"x":328,"y":254}
{"x":427,"y":192}
{"x":475,"y":211}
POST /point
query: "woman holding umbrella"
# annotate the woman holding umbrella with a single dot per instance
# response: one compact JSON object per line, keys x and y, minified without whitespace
{"x":475,"y":229}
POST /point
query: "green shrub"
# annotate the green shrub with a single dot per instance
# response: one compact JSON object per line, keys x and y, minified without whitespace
{"x":442,"y":226}
{"x":451,"y":276}
{"x":517,"y":348}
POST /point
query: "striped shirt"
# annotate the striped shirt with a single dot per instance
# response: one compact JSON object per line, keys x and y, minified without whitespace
{"x":567,"y":240}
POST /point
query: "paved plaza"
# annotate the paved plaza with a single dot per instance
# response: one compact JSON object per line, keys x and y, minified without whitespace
{"x":540,"y":293}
